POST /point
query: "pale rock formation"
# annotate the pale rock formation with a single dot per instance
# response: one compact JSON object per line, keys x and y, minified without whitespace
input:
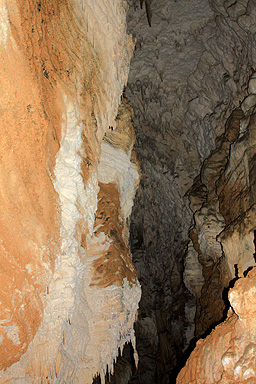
{"x":68,"y":292}
{"x":227,"y":355}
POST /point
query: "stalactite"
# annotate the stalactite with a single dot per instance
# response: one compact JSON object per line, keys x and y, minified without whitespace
{"x":148,"y":10}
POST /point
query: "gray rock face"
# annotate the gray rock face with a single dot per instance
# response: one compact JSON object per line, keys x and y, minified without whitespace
{"x":190,"y":71}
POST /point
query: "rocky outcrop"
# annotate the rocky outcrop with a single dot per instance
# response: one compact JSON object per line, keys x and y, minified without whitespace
{"x":236,"y":190}
{"x":227,"y":355}
{"x":223,"y":235}
{"x":229,"y":178}
{"x":68,"y":292}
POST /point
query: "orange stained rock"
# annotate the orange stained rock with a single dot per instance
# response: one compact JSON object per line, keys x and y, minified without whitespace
{"x":31,"y":110}
{"x":227,"y":355}
{"x":112,"y":267}
{"x":46,"y":55}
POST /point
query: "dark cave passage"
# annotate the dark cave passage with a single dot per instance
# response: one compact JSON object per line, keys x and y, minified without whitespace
{"x":186,"y":103}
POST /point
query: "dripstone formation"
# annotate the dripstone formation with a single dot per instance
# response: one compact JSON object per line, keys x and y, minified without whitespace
{"x":127,"y":193}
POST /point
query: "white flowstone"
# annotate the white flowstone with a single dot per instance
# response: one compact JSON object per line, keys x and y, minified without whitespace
{"x":4,"y":23}
{"x":72,"y":308}
{"x":115,"y":166}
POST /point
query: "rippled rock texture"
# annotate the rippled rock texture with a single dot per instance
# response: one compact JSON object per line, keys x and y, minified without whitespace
{"x":188,"y":85}
{"x":227,"y":355}
{"x":231,"y":344}
{"x":68,"y":290}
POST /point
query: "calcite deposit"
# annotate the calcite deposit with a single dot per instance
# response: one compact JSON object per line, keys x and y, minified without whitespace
{"x":82,"y":104}
{"x":68,"y":292}
{"x":227,"y":355}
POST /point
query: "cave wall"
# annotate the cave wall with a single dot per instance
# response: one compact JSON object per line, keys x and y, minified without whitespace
{"x":188,"y":86}
{"x":227,"y":355}
{"x":232,"y":343}
{"x":68,"y":292}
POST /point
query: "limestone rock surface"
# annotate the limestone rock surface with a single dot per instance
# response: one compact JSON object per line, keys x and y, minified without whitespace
{"x":227,"y":355}
{"x":191,"y":86}
{"x":68,"y":290}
